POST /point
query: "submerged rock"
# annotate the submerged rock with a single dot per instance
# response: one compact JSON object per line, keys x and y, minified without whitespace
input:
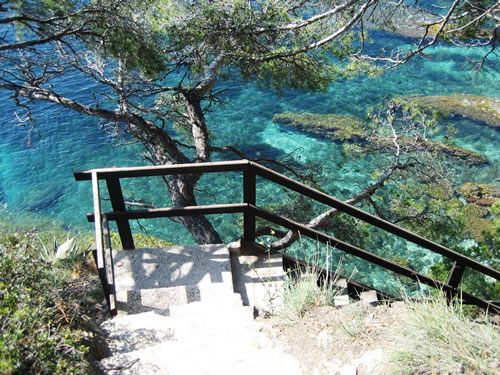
{"x":352,"y":129}
{"x":477,"y":221}
{"x":403,"y":20}
{"x":481,"y":194}
{"x":477,"y":108}
{"x":469,"y":156}
{"x":338,"y":127}
{"x":37,"y":200}
{"x":415,"y":22}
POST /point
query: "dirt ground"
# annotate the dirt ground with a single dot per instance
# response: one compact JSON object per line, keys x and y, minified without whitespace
{"x":356,"y":340}
{"x":328,"y":340}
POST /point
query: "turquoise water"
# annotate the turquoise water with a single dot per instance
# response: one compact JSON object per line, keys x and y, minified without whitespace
{"x":37,"y":186}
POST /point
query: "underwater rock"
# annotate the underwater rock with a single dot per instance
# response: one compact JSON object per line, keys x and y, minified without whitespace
{"x":402,"y":20}
{"x":471,"y":157}
{"x":477,"y":108}
{"x":40,"y":200}
{"x":412,"y":21}
{"x":352,"y":129}
{"x":477,"y":221}
{"x":338,"y":127}
{"x":481,"y":194}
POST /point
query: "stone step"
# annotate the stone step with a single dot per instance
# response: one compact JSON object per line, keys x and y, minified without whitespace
{"x":215,"y":357}
{"x":342,"y":297}
{"x":172,"y":266}
{"x":162,"y":300}
{"x":200,"y":346}
{"x":341,"y":300}
{"x":213,"y":311}
{"x":156,"y":279}
{"x":129,"y":333}
{"x":369,"y":298}
{"x":258,"y":278}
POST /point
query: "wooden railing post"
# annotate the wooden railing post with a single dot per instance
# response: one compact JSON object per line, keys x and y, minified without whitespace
{"x":249,"y":197}
{"x":118,"y":204}
{"x":455,"y":275}
{"x":454,"y":278}
{"x":98,"y":221}
{"x":109,"y":268}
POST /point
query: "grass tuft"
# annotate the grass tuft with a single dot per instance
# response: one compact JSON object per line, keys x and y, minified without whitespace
{"x":437,"y":337}
{"x":305,"y":289}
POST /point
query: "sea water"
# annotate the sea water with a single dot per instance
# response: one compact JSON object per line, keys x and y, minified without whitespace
{"x":37,"y":188}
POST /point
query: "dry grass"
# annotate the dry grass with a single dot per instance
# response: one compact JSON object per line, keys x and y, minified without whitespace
{"x":303,"y":293}
{"x":435,"y":337}
{"x":429,"y":337}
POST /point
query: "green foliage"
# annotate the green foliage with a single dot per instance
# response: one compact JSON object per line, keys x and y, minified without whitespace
{"x":302,"y":292}
{"x":36,"y":337}
{"x":254,"y":40}
{"x":140,"y":240}
{"x":67,"y":250}
{"x":487,"y":251}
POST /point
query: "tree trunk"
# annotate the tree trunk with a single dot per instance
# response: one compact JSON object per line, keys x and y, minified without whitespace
{"x":181,"y":189}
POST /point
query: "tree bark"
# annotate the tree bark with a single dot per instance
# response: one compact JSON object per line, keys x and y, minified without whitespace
{"x":181,"y":189}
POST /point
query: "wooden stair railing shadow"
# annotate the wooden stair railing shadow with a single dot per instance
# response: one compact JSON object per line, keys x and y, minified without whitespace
{"x":250,"y":210}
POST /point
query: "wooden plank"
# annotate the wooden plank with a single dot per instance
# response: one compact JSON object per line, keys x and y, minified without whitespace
{"x":118,"y":204}
{"x":455,"y":275}
{"x":163,"y":170}
{"x":372,"y":219}
{"x":98,"y":221}
{"x":249,"y":197}
{"x":175,"y":211}
{"x":110,"y":274}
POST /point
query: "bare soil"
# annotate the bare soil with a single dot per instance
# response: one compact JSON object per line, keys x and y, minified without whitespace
{"x":329,"y":340}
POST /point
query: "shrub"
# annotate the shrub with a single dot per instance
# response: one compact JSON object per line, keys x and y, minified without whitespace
{"x":36,"y":335}
{"x":302,"y":291}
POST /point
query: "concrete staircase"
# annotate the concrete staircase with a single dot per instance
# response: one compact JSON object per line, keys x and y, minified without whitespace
{"x":258,"y":278}
{"x":190,"y":310}
{"x":159,"y":279}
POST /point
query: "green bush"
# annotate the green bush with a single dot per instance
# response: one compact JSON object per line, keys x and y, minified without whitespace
{"x":36,"y":335}
{"x":302,"y":293}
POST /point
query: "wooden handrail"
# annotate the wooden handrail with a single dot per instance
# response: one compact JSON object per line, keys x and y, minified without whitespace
{"x":366,"y":255}
{"x":245,"y":165}
{"x":163,"y":170}
{"x":174,"y":211}
{"x":372,"y":219}
{"x":250,"y":210}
